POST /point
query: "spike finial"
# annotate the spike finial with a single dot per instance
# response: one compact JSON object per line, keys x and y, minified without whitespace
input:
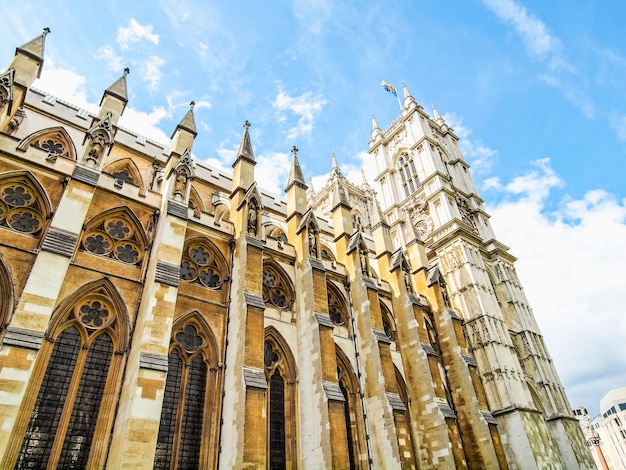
{"x":246,"y":125}
{"x":294,"y":151}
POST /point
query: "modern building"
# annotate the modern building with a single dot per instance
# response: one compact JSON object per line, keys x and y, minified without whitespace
{"x":610,"y":426}
{"x":157,"y":312}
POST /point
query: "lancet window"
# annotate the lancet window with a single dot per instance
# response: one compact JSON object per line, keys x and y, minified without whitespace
{"x":353,"y":415}
{"x":22,"y":207}
{"x":336,"y":306}
{"x":115,"y":235}
{"x":277,"y":290}
{"x":281,"y":411}
{"x":389,"y":324}
{"x":201,"y":265}
{"x":408,"y":174}
{"x":187,"y":424}
{"x":80,"y":366}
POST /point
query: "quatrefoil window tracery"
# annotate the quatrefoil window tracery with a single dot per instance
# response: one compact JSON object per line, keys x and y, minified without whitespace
{"x":275,"y":291}
{"x":114,"y":238}
{"x":336,"y":309}
{"x":20,"y":208}
{"x":189,"y":338}
{"x":199,"y":266}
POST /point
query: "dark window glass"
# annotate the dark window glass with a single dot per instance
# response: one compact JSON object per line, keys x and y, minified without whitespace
{"x":191,"y":432}
{"x":165,"y":437}
{"x":278,"y":460}
{"x":82,"y":423}
{"x":50,"y":400}
{"x":346,"y":410}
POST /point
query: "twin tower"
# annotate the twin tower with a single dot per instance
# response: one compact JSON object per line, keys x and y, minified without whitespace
{"x":158,"y":313}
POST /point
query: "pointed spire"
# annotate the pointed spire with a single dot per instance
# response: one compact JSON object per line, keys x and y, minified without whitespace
{"x":334,"y":169}
{"x":118,"y":89}
{"x":295,"y":174}
{"x":378,"y":216}
{"x":245,"y":147}
{"x":339,"y":196}
{"x":34,"y":48}
{"x":374,"y":123}
{"x":188,"y":122}
{"x":310,"y":192}
{"x":439,"y":120}
{"x":364,"y":182}
{"x":408,"y":98}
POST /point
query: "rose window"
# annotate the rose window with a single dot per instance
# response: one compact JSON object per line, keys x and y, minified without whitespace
{"x":275,"y":291}
{"x":114,"y":238}
{"x":20,"y":209}
{"x":199,"y":265}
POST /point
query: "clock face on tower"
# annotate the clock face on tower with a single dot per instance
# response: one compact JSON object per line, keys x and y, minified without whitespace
{"x":423,"y":225}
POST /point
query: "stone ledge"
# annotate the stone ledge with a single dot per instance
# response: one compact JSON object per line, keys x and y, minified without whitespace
{"x":333,"y":392}
{"x":381,"y":336}
{"x":429,"y":350}
{"x":324,"y":320}
{"x":85,"y":175}
{"x":167,"y":273}
{"x":254,"y":300}
{"x":255,"y":242}
{"x":254,"y":378}
{"x":177,"y":209}
{"x":469,"y":360}
{"x":317,"y":264}
{"x":60,"y":242}
{"x":25,"y":338}
{"x":153,"y":361}
{"x":395,"y":401}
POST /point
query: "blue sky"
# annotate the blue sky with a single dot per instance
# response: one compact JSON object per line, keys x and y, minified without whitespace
{"x":535,"y":90}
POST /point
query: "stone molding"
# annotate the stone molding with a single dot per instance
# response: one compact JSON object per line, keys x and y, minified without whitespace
{"x":60,"y":241}
{"x":25,"y":338}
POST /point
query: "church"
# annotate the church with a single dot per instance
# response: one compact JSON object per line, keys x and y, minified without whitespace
{"x":159,"y":313}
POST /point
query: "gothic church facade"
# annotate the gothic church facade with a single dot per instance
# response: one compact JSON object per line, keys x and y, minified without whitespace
{"x":158,"y":313}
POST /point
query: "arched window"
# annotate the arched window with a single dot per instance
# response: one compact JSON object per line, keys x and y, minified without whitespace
{"x":281,"y":399}
{"x":125,"y":170}
{"x":404,"y":431}
{"x":55,"y":140}
{"x":277,"y":289}
{"x":6,"y":297}
{"x":202,"y":265}
{"x":71,"y":406}
{"x":187,"y":425}
{"x":408,"y":174}
{"x":337,"y":308}
{"x":389,"y":323}
{"x":23,"y":206}
{"x":349,"y":385}
{"x":115,"y":234}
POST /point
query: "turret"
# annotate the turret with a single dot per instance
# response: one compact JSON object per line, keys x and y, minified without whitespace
{"x":296,"y":188}
{"x":185,"y":132}
{"x":409,"y":102}
{"x":243,"y":168}
{"x":114,"y":99}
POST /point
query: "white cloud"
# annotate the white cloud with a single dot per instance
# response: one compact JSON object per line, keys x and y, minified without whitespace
{"x":272,"y":171}
{"x":571,"y":262}
{"x":618,"y":123}
{"x":135,"y":32}
{"x":539,"y":42}
{"x":108,"y":54}
{"x":146,"y":124}
{"x":479,"y":156}
{"x":151,"y":72}
{"x":306,"y":107}
{"x":66,"y":85}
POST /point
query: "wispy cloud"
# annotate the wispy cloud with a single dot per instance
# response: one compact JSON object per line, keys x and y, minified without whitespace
{"x":135,"y":32}
{"x":479,"y":156}
{"x":534,"y":32}
{"x":584,"y":240}
{"x":152,"y":72}
{"x":306,"y":107}
{"x":618,"y":123}
{"x":108,"y":54}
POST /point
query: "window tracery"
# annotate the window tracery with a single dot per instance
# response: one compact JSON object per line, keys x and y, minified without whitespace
{"x":199,"y":265}
{"x":276,"y":291}
{"x":84,"y":354}
{"x":56,"y":141}
{"x":114,"y":237}
{"x":408,"y":174}
{"x":190,"y":385}
{"x":336,"y":306}
{"x":22,"y":208}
